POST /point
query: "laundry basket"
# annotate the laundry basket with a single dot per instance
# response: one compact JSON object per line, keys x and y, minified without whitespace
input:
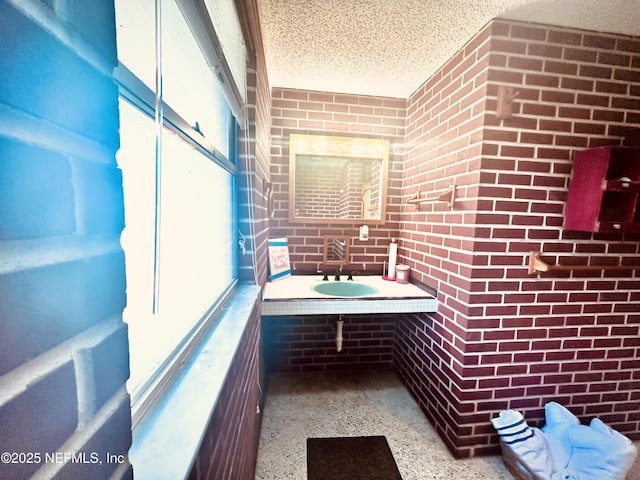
{"x":563,"y":447}
{"x":516,"y":467}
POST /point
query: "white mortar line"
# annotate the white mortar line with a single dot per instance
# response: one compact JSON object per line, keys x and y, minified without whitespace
{"x":76,"y":443}
{"x":19,"y":380}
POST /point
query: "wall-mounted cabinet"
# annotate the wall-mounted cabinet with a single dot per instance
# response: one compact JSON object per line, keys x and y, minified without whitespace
{"x":604,"y":191}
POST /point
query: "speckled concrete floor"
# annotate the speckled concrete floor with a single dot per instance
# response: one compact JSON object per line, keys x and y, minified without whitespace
{"x":299,"y":406}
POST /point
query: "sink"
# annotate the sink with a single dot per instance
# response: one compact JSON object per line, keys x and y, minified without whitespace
{"x":344,"y":289}
{"x":368,"y":294}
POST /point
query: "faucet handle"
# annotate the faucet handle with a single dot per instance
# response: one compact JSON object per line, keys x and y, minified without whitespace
{"x":352,"y":273}
{"x":324,"y":274}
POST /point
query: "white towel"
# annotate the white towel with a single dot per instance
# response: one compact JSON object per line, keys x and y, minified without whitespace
{"x":558,"y":422}
{"x":599,"y":452}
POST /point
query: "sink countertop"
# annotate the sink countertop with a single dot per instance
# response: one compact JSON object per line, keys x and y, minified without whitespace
{"x":298,"y":287}
{"x":294,"y":295}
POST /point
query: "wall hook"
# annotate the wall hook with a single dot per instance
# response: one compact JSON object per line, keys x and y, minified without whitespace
{"x":504,"y":107}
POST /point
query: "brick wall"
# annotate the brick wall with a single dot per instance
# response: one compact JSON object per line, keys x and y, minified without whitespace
{"x":63,"y":345}
{"x":305,"y":344}
{"x":503,"y":338}
{"x":230,"y":444}
{"x":321,"y":113}
{"x":254,"y":182}
{"x":319,"y":191}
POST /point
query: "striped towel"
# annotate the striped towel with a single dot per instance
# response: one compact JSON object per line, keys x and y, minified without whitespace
{"x":528,"y":444}
{"x":512,"y":427}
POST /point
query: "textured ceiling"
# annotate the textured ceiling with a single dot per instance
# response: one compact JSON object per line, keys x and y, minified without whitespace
{"x":390,"y":47}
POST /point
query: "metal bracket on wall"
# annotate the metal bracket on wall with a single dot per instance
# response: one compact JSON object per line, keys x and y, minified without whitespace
{"x":537,"y":265}
{"x":504,"y":104}
{"x":448,"y":196}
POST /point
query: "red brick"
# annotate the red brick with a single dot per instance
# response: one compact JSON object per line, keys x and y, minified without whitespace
{"x":527,"y":380}
{"x":542,"y":80}
{"x":580,"y":55}
{"x":609,"y":58}
{"x":564,"y":68}
{"x":513,"y":346}
{"x":573,"y":388}
{"x":555,"y":125}
{"x":544,"y":367}
{"x":525,"y":63}
{"x":546,"y":50}
{"x":564,"y":37}
{"x":571,"y":308}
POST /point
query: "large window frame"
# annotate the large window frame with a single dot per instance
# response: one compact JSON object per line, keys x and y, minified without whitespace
{"x":140,"y":96}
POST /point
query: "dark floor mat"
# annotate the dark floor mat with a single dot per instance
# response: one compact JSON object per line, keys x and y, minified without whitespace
{"x":350,"y":458}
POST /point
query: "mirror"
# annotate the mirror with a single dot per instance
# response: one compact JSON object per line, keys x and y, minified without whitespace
{"x":337,"y":179}
{"x":336,"y":250}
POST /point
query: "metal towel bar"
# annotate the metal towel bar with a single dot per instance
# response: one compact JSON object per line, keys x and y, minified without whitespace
{"x":448,"y":196}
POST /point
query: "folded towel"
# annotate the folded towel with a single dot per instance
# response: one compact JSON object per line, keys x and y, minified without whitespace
{"x":599,"y":452}
{"x":511,"y":426}
{"x":558,"y":422}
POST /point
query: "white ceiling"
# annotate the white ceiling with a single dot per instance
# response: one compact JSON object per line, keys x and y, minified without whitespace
{"x":390,"y":47}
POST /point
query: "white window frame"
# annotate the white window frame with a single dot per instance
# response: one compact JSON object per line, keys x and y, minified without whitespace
{"x":140,"y":96}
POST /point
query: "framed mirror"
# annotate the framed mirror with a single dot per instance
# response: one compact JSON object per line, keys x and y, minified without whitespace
{"x":336,"y":250}
{"x":337,"y":179}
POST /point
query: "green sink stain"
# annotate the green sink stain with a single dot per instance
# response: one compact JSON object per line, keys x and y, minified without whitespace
{"x":344,"y":289}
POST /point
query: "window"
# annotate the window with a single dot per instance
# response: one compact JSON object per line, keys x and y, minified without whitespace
{"x":176,"y":155}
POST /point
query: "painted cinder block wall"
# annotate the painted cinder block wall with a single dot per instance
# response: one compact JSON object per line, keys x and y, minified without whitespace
{"x":503,"y":338}
{"x":63,"y":345}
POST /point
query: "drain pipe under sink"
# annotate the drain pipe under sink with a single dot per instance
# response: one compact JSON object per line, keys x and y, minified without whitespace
{"x":339,"y":324}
